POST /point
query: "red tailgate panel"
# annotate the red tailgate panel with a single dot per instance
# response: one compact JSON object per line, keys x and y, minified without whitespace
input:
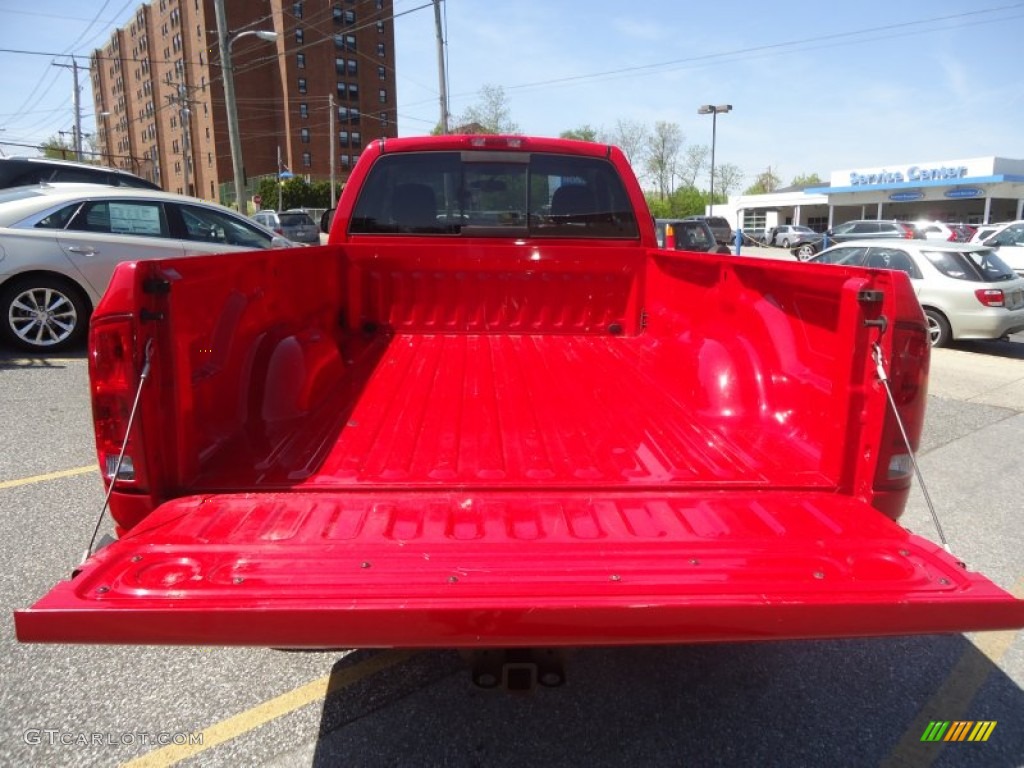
{"x":507,"y":569}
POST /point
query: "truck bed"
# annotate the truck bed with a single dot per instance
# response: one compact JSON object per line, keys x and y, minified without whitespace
{"x":421,"y":410}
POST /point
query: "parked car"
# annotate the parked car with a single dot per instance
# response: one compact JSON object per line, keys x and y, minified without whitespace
{"x":59,"y":245}
{"x":858,"y":229}
{"x":934,"y":230}
{"x":719,"y":225}
{"x":687,"y":235}
{"x":966,"y":291}
{"x":984,"y":231}
{"x":21,"y":171}
{"x":1008,"y":240}
{"x":791,"y":235}
{"x":295,"y":224}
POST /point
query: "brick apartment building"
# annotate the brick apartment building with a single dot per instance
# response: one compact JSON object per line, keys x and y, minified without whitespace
{"x":159,"y":97}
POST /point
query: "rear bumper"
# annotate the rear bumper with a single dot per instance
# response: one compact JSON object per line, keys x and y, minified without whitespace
{"x":496,"y":570}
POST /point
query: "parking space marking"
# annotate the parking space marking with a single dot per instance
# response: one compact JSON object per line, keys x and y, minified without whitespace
{"x":954,"y":696}
{"x":286,"y":703}
{"x":48,"y":476}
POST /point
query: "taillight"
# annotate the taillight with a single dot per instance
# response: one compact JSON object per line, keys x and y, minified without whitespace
{"x":991,"y":297}
{"x":908,"y":374}
{"x":279,"y":231}
{"x":908,"y":232}
{"x":114,"y":378}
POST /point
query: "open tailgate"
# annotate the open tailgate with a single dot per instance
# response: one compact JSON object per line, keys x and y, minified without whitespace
{"x":474,"y":569}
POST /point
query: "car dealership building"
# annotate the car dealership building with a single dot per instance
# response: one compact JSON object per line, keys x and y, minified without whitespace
{"x":974,"y":191}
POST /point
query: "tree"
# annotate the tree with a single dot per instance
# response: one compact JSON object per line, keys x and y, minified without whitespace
{"x":662,"y":154}
{"x":806,"y":180}
{"x":296,"y":192}
{"x":57,"y":148}
{"x":491,"y":114}
{"x":727,"y":179}
{"x":695,"y":158}
{"x":764,"y":183}
{"x":583,"y":133}
{"x":631,"y":137}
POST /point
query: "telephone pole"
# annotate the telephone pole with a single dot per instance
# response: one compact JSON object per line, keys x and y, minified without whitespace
{"x":76,"y":105}
{"x":442,"y":76}
{"x":333,"y":140}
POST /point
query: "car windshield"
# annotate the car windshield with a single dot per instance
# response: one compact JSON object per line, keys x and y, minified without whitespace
{"x":982,"y":266}
{"x":295,"y":219}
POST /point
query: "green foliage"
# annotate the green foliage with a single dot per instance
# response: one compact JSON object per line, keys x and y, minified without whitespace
{"x":583,"y":133}
{"x":806,"y":180}
{"x":765,"y":182}
{"x":296,"y":192}
{"x":57,"y":148}
{"x":684,"y":201}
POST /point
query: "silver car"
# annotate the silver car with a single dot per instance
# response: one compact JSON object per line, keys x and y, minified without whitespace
{"x":296,"y":224}
{"x":59,"y":245}
{"x":965,"y":290}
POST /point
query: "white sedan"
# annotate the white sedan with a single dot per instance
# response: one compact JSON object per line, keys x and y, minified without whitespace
{"x":965,"y":290}
{"x":59,"y":245}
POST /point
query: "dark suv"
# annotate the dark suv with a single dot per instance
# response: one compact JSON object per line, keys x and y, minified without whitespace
{"x":687,"y":235}
{"x":719,"y":225}
{"x":859,"y":229}
{"x":22,"y":171}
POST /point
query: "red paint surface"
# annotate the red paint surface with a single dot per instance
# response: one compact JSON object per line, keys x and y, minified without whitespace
{"x":435,"y":441}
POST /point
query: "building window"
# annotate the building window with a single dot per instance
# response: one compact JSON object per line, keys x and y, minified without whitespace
{"x":382,"y":73}
{"x":381,"y":50}
{"x":341,"y":93}
{"x":380,"y":27}
{"x":350,"y":17}
{"x":339,"y":66}
{"x":303,"y":110}
{"x":302,"y":85}
{"x":299,"y":36}
{"x":353,"y":67}
{"x":353,"y":92}
{"x":300,"y":60}
{"x":357,"y":139}
{"x":304,"y":135}
{"x":382,"y":94}
{"x":343,"y":138}
{"x":383,"y":119}
{"x":297,"y":10}
{"x":307,"y":159}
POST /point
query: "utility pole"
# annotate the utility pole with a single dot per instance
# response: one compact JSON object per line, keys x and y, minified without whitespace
{"x":184,"y":115}
{"x":76,"y":104}
{"x":333,"y":139}
{"x":230,"y":105}
{"x":442,"y":77}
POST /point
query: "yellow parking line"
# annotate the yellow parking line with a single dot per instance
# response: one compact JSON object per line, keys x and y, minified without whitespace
{"x":272,"y":709}
{"x":47,"y":476}
{"x":954,"y":696}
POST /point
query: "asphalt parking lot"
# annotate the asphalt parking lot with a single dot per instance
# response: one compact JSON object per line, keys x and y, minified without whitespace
{"x":846,"y":702}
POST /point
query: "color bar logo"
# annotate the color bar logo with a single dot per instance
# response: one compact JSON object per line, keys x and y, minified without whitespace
{"x":958,"y":730}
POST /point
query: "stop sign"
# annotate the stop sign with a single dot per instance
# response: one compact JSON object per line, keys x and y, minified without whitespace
{"x":257,"y":199}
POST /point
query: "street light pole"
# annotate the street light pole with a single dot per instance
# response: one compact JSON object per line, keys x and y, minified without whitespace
{"x":225,"y":42}
{"x":714,"y":111}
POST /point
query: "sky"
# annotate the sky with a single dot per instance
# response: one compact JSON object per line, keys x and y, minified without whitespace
{"x":815,"y":87}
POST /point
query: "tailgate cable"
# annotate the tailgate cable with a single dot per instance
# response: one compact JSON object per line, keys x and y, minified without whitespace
{"x":124,"y":446}
{"x":876,"y":351}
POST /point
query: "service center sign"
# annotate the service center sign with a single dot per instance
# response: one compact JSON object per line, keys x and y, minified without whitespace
{"x":913,"y":173}
{"x":947,"y":171}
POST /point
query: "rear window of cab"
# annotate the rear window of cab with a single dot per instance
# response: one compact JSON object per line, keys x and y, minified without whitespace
{"x":499,"y":194}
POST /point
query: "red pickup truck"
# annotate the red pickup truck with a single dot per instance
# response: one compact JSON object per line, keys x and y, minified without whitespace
{"x":492,"y":413}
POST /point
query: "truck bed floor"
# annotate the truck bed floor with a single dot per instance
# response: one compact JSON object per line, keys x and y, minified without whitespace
{"x":422,"y":410}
